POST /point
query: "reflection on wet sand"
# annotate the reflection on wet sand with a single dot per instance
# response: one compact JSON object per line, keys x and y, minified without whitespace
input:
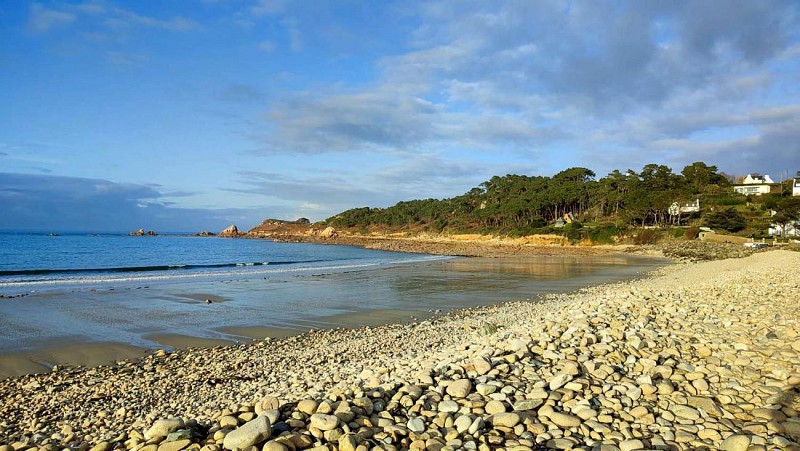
{"x":101,"y":324}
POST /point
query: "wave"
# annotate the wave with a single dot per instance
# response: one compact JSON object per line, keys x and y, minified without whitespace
{"x":233,"y":270}
{"x":124,"y":269}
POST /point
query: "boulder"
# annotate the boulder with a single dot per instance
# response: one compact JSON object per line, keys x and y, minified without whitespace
{"x":251,"y":433}
{"x":329,"y":232}
{"x":163,"y":428}
{"x":459,"y":388}
{"x":141,"y":232}
{"x":230,"y":231}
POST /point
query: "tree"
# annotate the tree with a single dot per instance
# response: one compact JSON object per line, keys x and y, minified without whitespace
{"x":699,"y":175}
{"x":790,"y":205}
{"x":788,"y":213}
{"x":729,"y":220}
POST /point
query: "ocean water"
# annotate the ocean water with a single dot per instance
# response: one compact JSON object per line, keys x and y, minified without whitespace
{"x":78,"y":288}
{"x":38,"y":261}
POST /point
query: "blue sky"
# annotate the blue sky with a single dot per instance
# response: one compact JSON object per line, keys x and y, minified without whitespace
{"x":189,"y":115}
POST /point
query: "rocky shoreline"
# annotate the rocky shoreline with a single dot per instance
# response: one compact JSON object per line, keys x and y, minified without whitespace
{"x":696,"y":356}
{"x":498,"y":247}
{"x":452,"y":247}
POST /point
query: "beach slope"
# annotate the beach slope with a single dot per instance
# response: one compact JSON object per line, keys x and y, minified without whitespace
{"x":696,"y":356}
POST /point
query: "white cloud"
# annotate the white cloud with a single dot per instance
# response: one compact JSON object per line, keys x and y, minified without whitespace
{"x":311,"y":206}
{"x":295,"y":35}
{"x":268,"y":7}
{"x":41,"y":19}
{"x":120,"y":17}
{"x":267,"y":46}
{"x":125,"y":59}
{"x":376,"y":119}
{"x":592,"y":82}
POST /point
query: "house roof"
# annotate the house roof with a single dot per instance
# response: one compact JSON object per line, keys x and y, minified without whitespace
{"x":757,"y":180}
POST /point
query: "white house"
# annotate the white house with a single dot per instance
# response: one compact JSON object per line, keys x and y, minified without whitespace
{"x":755,"y":185}
{"x":790,"y":229}
{"x":796,"y":187}
{"x":690,"y":207}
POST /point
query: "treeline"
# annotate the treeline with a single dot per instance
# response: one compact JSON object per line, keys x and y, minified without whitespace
{"x":520,"y":204}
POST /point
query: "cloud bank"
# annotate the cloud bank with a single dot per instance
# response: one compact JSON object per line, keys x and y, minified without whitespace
{"x":640,"y":81}
{"x":46,"y":202}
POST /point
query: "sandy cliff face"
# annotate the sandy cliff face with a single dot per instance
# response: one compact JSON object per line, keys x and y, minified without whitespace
{"x":271,"y":228}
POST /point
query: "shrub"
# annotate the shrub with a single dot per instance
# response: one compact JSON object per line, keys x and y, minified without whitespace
{"x":573,"y":232}
{"x":547,"y":230}
{"x":605,"y":234}
{"x":647,"y":236}
{"x":677,"y":233}
{"x":729,"y":200}
{"x":729,"y":220}
{"x":691,"y":233}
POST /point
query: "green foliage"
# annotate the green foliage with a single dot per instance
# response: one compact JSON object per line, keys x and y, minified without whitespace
{"x":677,"y":233}
{"x":573,"y":232}
{"x":351,"y":218}
{"x":699,"y":176}
{"x":727,"y":200}
{"x":605,"y":234}
{"x":788,"y":211}
{"x":790,"y":206}
{"x":729,"y":220}
{"x":770,"y":201}
{"x":517,"y":205}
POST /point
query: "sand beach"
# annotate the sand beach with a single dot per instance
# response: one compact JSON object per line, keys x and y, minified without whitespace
{"x":50,"y":324}
{"x":695,"y":356}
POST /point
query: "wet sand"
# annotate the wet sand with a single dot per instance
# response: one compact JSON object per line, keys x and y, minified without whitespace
{"x":105,"y":324}
{"x":73,"y":354}
{"x":260,"y":332}
{"x":178,"y":341}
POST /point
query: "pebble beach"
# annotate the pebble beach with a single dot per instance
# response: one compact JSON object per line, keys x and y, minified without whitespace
{"x":699,"y":355}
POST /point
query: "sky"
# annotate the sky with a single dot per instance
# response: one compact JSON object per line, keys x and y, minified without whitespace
{"x":193,"y":115}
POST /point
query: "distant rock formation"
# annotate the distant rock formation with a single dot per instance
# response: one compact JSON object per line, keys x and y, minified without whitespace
{"x":230,"y":231}
{"x":206,"y":233}
{"x":277,"y":228}
{"x":329,"y":232}
{"x":141,"y":232}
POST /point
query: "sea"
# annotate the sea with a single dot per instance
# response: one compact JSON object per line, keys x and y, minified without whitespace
{"x":144,"y":291}
{"x":39,"y":261}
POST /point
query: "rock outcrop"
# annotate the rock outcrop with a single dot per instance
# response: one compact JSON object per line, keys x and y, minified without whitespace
{"x":329,"y":232}
{"x":230,"y":231}
{"x":205,"y":233}
{"x":141,"y":232}
{"x":275,"y":228}
{"x":706,"y":250}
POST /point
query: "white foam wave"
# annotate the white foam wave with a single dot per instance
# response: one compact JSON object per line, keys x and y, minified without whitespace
{"x":244,"y":271}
